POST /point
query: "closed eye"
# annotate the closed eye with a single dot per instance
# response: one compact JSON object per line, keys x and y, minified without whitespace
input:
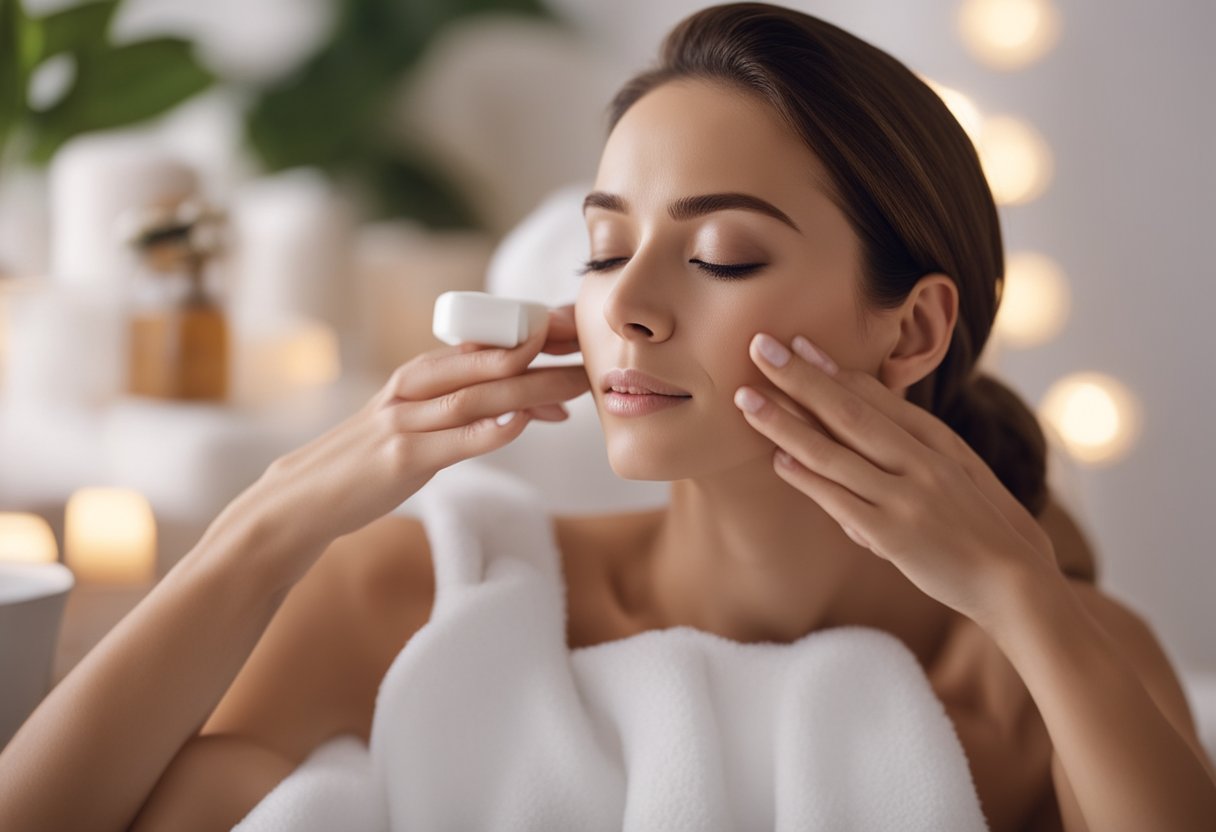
{"x":720,"y":271}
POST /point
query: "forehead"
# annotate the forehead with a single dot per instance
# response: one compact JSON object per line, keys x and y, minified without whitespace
{"x":694,"y":136}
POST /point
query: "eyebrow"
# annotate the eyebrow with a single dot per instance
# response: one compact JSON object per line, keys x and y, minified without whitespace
{"x":688,"y":207}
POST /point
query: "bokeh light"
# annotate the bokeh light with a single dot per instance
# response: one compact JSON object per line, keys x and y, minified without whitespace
{"x":1035,"y":302}
{"x":1094,"y":415}
{"x":26,"y":538}
{"x":286,"y":356}
{"x":1016,"y":160}
{"x":961,"y":105}
{"x":110,"y":536}
{"x":1008,"y":34}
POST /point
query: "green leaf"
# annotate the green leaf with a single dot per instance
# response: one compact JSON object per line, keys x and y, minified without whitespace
{"x":120,"y":86}
{"x":320,"y":117}
{"x":410,"y":185}
{"x":12,"y":77}
{"x":75,"y":29}
{"x":331,"y":113}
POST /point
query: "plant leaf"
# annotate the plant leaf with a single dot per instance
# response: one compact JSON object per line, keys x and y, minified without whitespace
{"x":75,"y":29}
{"x":120,"y":86}
{"x":331,"y":113}
{"x":409,"y":184}
{"x":12,"y":76}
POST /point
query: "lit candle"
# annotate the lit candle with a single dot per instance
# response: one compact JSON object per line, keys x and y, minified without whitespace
{"x":26,"y":538}
{"x":282,"y":355}
{"x":110,"y":536}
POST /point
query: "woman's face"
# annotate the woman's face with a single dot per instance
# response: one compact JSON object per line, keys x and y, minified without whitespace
{"x":658,"y":309}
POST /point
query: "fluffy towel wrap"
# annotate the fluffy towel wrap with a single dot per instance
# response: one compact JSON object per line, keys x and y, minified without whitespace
{"x":486,"y":720}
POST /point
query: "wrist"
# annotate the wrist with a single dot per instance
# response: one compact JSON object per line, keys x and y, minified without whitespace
{"x":1036,"y":600}
{"x":249,"y":539}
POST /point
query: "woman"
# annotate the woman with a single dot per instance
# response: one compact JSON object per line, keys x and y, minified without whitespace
{"x":774,"y":177}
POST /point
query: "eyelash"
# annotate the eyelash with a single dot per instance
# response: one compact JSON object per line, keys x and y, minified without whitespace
{"x":719,"y":272}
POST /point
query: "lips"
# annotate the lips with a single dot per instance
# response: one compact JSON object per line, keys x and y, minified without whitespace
{"x":635,"y":382}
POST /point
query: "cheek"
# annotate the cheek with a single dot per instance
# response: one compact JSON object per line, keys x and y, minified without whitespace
{"x":588,"y":318}
{"x":736,"y":326}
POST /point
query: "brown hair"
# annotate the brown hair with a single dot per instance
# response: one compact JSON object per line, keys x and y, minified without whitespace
{"x":907,"y":177}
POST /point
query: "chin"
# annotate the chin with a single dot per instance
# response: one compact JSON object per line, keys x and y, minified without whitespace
{"x":631,"y":459}
{"x":659,"y":456}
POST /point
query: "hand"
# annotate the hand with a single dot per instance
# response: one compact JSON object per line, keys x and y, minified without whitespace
{"x":437,"y":409}
{"x":899,"y":481}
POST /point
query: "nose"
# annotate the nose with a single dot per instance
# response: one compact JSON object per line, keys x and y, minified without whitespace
{"x":636,"y":307}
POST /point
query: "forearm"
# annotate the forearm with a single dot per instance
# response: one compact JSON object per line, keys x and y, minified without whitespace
{"x":1127,"y":765}
{"x":94,"y":749}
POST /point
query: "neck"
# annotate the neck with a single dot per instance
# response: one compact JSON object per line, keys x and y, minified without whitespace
{"x":745,"y":555}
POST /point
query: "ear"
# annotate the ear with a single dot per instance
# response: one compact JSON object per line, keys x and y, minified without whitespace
{"x":926,"y":324}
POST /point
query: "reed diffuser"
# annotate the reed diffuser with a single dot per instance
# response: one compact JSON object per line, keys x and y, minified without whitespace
{"x":178,"y":334}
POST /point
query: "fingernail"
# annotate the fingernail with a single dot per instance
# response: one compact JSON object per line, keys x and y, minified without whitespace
{"x":506,"y":417}
{"x":813,"y":354}
{"x":773,"y":351}
{"x":748,"y":399}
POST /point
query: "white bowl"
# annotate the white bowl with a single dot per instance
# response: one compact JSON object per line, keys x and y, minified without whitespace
{"x":32,"y":598}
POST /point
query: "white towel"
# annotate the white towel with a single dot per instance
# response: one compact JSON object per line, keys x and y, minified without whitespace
{"x":487,"y":721}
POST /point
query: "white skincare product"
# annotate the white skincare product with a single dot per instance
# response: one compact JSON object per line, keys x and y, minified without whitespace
{"x":482,"y":318}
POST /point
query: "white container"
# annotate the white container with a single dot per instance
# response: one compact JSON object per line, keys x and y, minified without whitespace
{"x":32,"y":599}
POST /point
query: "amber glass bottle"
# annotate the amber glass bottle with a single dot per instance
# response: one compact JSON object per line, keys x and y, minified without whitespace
{"x":178,"y":334}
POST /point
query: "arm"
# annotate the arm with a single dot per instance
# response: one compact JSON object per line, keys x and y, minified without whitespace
{"x":1076,"y":558}
{"x":314,"y":675}
{"x":106,"y":732}
{"x":903,"y":484}
{"x":1127,"y":765}
{"x":111,"y":727}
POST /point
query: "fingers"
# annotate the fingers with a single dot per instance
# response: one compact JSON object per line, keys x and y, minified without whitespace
{"x":831,"y":460}
{"x":844,"y":506}
{"x":435,"y":450}
{"x":849,"y":417}
{"x":936,"y":434}
{"x":533,"y":388}
{"x":439,"y":449}
{"x":444,"y":370}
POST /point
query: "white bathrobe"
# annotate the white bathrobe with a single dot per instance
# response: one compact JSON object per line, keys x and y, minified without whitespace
{"x":487,"y":721}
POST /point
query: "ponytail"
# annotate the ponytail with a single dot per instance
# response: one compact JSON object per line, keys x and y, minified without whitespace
{"x":1006,"y":434}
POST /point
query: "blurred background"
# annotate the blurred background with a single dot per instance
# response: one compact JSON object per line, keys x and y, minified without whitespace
{"x":223,"y":224}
